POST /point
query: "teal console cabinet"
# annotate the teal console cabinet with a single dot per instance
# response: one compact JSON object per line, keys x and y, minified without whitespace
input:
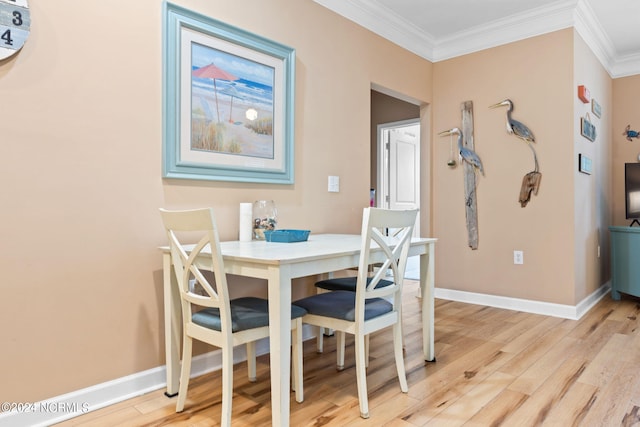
{"x":625,"y":261}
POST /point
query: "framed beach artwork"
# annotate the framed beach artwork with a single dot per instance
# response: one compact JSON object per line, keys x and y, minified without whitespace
{"x":228,"y":102}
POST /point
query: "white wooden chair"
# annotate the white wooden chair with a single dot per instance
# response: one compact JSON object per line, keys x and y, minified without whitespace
{"x":218,"y":320}
{"x":371,"y":307}
{"x":342,"y":284}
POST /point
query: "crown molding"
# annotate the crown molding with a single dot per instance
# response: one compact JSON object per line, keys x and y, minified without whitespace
{"x":508,"y":30}
{"x":385,"y":23}
{"x":557,"y":16}
{"x":589,"y":28}
{"x":627,"y":65}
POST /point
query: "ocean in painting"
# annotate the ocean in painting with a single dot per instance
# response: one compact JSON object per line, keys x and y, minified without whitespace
{"x":232,"y":116}
{"x":251,"y":93}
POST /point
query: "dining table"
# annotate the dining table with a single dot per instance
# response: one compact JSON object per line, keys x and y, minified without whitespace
{"x":280,"y":263}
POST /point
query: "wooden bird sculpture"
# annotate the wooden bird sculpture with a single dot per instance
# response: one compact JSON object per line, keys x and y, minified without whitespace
{"x":466,"y":154}
{"x":531,"y":181}
{"x":515,"y":127}
{"x":518,"y":129}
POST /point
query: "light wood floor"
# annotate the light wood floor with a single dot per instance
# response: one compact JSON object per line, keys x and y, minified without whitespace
{"x":494,"y":368}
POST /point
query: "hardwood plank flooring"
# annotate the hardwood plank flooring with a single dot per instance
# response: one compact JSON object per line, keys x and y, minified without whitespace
{"x":494,"y":368}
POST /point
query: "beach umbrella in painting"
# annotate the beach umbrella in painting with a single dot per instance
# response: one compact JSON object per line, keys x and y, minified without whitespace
{"x":233,"y":93}
{"x":213,"y":72}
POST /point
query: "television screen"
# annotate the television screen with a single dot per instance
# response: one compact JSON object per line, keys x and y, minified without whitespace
{"x":632,"y":189}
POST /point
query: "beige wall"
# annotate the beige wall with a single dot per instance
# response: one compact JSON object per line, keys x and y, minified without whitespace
{"x":540,"y":87}
{"x":561,"y":227}
{"x":592,"y":193}
{"x":626,"y":111}
{"x":81,"y":148}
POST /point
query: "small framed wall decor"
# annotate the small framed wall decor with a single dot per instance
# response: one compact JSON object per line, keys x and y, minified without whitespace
{"x":583,"y":94}
{"x":587,"y":129}
{"x":596,"y":109}
{"x":584,"y":164}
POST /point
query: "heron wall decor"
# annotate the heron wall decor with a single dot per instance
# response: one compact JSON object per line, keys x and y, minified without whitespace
{"x":531,"y":181}
{"x":472,"y":165}
{"x":465,"y":154}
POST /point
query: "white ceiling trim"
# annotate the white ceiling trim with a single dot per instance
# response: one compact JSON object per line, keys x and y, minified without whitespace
{"x":592,"y":32}
{"x":564,"y":14}
{"x":385,"y":23}
{"x":587,"y":25}
{"x":627,"y":65}
{"x":508,"y":30}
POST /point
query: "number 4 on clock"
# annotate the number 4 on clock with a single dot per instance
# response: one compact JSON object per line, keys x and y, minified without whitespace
{"x":6,"y":36}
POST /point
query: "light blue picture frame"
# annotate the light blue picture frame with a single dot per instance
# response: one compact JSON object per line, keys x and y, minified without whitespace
{"x":585,"y":164}
{"x":228,"y":102}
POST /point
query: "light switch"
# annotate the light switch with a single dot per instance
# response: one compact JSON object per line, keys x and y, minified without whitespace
{"x":334,"y":184}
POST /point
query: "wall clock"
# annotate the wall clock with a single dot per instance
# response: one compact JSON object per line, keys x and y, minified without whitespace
{"x":15,"y":22}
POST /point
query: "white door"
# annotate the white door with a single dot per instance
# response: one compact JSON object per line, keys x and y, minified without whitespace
{"x":399,"y":166}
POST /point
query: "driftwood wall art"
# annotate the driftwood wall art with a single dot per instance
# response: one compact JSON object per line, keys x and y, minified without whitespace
{"x":470,"y":176}
{"x":471,"y":166}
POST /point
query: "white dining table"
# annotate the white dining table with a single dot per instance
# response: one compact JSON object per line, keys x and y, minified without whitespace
{"x":279,"y":264}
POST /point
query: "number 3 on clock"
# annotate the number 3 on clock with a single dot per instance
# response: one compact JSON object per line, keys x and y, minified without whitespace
{"x":15,"y":24}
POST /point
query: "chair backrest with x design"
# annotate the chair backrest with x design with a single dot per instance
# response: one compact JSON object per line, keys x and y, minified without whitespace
{"x":203,"y":222}
{"x":395,"y":250}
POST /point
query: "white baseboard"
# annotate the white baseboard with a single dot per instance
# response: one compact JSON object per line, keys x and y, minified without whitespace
{"x":528,"y":306}
{"x":70,"y":405}
{"x":80,"y":402}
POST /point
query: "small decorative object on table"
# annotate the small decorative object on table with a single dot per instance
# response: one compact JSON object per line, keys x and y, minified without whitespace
{"x":286,"y":236}
{"x":245,"y":233}
{"x":265,"y":217}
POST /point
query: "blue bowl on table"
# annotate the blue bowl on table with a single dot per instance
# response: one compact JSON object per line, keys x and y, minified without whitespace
{"x":286,"y":236}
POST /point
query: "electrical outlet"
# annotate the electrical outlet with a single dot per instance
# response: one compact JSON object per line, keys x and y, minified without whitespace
{"x":334,"y":184}
{"x":518,"y":257}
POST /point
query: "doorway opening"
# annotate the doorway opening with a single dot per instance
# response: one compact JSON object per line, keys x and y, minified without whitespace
{"x":398,"y":150}
{"x":393,"y":111}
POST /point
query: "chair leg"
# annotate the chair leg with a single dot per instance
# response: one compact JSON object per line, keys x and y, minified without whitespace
{"x":185,"y":372}
{"x":251,"y":360}
{"x":400,"y":322}
{"x":397,"y":347}
{"x":361,"y":376}
{"x":296,"y":347}
{"x":227,"y":384}
{"x":366,"y":350}
{"x":322,"y":332}
{"x":340,"y":344}
{"x":320,"y":340}
{"x":340,"y":349}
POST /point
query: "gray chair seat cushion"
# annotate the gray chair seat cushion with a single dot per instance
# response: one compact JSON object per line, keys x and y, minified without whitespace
{"x":347,"y":284}
{"x":246,"y":313}
{"x":341,"y":305}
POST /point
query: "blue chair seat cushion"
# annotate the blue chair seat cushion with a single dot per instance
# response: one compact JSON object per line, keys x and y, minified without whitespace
{"x":246,"y":313}
{"x":347,"y":284}
{"x":341,"y":305}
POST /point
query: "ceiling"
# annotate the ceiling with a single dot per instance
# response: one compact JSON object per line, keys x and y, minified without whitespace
{"x":443,"y":29}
